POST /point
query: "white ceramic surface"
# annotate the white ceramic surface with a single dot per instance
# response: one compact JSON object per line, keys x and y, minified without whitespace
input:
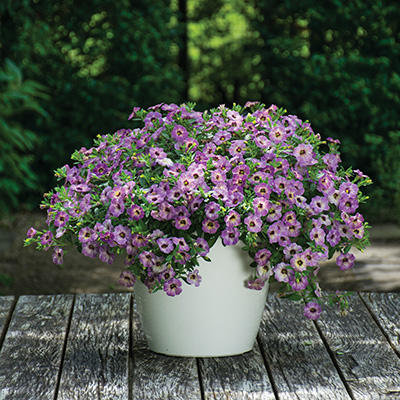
{"x":221,"y":317}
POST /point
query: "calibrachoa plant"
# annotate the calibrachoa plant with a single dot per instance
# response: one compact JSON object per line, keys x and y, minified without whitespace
{"x":164,"y":192}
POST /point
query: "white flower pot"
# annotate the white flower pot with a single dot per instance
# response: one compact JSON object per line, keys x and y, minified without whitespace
{"x":221,"y":317}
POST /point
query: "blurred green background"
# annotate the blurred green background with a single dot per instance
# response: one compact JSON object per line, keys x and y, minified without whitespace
{"x":70,"y":70}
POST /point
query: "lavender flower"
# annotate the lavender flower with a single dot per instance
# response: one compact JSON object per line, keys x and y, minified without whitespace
{"x":345,"y":261}
{"x":58,"y":254}
{"x":194,"y":278}
{"x":127,"y":279}
{"x":254,"y":223}
{"x":172,"y":287}
{"x":166,"y":245}
{"x":312,"y":310}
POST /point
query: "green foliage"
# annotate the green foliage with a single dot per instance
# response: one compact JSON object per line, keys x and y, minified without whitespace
{"x":18,"y":101}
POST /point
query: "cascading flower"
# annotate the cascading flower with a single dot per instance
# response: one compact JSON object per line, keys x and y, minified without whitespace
{"x":164,"y":192}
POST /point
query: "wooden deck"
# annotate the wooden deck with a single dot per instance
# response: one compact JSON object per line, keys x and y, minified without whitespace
{"x":91,"y":347}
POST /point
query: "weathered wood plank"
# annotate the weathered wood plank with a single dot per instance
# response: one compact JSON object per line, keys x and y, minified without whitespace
{"x":300,"y":365}
{"x":364,"y":356}
{"x":242,"y":377}
{"x":6,"y":304}
{"x":32,"y":351}
{"x":96,"y":363}
{"x":156,"y":376}
{"x":386,"y":309}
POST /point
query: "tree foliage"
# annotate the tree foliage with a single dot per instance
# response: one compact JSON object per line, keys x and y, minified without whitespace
{"x":98,"y":59}
{"x":19,"y":98}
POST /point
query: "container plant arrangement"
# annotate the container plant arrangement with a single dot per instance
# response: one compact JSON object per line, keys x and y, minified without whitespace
{"x":166,"y":192}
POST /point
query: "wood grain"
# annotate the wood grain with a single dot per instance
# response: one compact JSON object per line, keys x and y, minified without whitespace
{"x":300,"y":365}
{"x":32,"y":351}
{"x":156,"y":376}
{"x":6,"y":304}
{"x":242,"y":377}
{"x":366,"y":360}
{"x":386,"y":309}
{"x":97,"y":354}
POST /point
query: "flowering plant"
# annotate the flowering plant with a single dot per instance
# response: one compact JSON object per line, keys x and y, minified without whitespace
{"x":164,"y":192}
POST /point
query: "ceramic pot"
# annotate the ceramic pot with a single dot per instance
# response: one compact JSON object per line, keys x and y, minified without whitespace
{"x":221,"y":317}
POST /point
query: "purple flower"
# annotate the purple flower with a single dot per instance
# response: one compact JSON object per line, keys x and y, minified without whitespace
{"x":348,"y":189}
{"x":331,"y":160}
{"x":262,"y":256}
{"x":333,"y":237}
{"x":136,"y":212}
{"x":172,"y":287}
{"x":58,"y":255}
{"x":232,"y":219}
{"x":242,"y":170}
{"x":139,"y":240}
{"x":274,"y":232}
{"x":61,"y":219}
{"x":158,"y":265}
{"x":166,"y":245}
{"x":299,"y":262}
{"x":105,"y":254}
{"x":230,"y":236}
{"x":100,"y":169}
{"x":261,"y":206}
{"x":180,"y":241}
{"x":304,"y":155}
{"x":203,"y":245}
{"x":86,"y":235}
{"x":194,"y":278}
{"x":262,"y":142}
{"x":348,"y":204}
{"x":319,"y":204}
{"x":298,"y":283}
{"x":157,"y":153}
{"x":166,"y":211}
{"x":31,"y":233}
{"x":254,"y":223}
{"x":312,"y":310}
{"x":274,"y":212}
{"x":127,"y":279}
{"x":222,"y":137}
{"x":186,"y":182}
{"x":46,"y":238}
{"x":263,"y":190}
{"x":183,"y":223}
{"x":238,"y":147}
{"x":234,"y":199}
{"x":292,"y":249}
{"x":90,"y":249}
{"x":256,"y":284}
{"x":179,"y":133}
{"x":277,"y":134}
{"x":121,"y":235}
{"x":345,"y":261}
{"x":116,"y":208}
{"x":182,"y":257}
{"x":218,"y":176}
{"x":153,"y":118}
{"x":210,"y":226}
{"x":318,"y":236}
{"x":282,"y":273}
{"x":264,"y":271}
{"x":146,"y":258}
